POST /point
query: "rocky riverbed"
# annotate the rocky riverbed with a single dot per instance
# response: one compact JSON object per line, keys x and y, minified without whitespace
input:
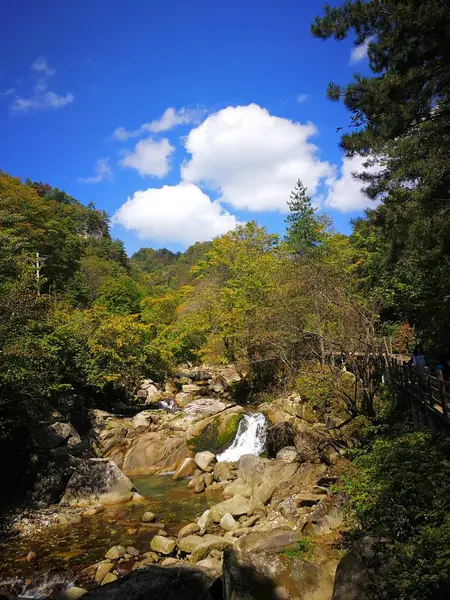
{"x":276,"y":518}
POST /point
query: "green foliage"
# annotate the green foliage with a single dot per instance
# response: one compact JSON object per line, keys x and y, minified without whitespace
{"x":399,"y":488}
{"x":304,"y":547}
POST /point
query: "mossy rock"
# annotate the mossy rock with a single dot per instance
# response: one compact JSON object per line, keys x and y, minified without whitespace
{"x":218,"y":435}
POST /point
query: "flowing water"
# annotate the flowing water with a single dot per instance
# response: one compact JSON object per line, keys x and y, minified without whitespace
{"x":250,"y":438}
{"x":63,"y":551}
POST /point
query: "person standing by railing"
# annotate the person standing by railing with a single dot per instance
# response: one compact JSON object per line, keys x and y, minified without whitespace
{"x":419,"y":361}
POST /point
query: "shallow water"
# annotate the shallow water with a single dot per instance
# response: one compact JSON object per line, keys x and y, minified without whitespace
{"x":70,"y":548}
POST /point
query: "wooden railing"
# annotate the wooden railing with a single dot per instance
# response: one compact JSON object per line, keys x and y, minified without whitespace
{"x":429,"y":390}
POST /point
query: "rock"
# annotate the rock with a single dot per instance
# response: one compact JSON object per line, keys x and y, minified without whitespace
{"x":170,"y":562}
{"x":188,"y":543}
{"x":279,"y":436}
{"x":308,"y":499}
{"x":202,"y":550}
{"x":210,"y":565}
{"x":270,"y":541}
{"x":162,"y":532}
{"x":288,"y":508}
{"x":72,"y":593}
{"x":188,"y":530}
{"x":138,"y":498}
{"x":236,"y":506}
{"x":266,"y":575}
{"x":148,"y":517}
{"x":307,"y":445}
{"x":102,"y":570}
{"x":115,"y":552}
{"x":142,"y":420}
{"x":265,"y":492}
{"x":55,"y":435}
{"x":132,"y":551}
{"x":251,"y":469}
{"x":31,"y":556}
{"x":205,"y":460}
{"x":97,"y":481}
{"x":208,"y":478}
{"x":163,"y":545}
{"x":156,"y":451}
{"x":141,"y":395}
{"x":205,"y":521}
{"x":157,"y":582}
{"x":287,"y":454}
{"x":198,"y":483}
{"x":170,"y":387}
{"x":362,"y":570}
{"x":228,"y":522}
{"x":225,"y":471}
{"x":191,"y":388}
{"x":152,"y":394}
{"x":182,"y":399}
{"x":327,"y":517}
{"x":186,"y":469}
{"x":249,"y":521}
{"x":109,"y":578}
{"x":237,"y":487}
{"x":256,"y":508}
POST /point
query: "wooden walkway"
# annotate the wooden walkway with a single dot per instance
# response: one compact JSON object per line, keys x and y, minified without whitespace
{"x":429,"y":391}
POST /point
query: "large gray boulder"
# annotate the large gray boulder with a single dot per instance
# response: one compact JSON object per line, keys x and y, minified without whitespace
{"x":205,"y":460}
{"x":279,"y":436}
{"x":55,"y":435}
{"x":97,"y":481}
{"x":236,"y":506}
{"x":266,"y":575}
{"x":156,"y":582}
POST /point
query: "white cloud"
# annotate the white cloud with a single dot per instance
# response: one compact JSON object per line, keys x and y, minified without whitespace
{"x":41,"y":98}
{"x":302,"y":98}
{"x":170,"y":119}
{"x":41,"y":66}
{"x":180,"y":213}
{"x":345,"y":193}
{"x":359,"y":53}
{"x":252,"y":158}
{"x":149,"y":157}
{"x":102,"y":172}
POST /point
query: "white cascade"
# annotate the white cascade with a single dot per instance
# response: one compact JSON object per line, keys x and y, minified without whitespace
{"x":250,"y":438}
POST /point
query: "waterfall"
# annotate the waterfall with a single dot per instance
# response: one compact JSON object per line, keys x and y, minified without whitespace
{"x":250,"y":438}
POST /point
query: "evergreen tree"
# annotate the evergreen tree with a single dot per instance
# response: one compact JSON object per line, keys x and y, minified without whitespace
{"x":305,"y":230}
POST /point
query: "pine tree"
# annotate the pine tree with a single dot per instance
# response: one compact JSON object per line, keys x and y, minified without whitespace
{"x":305,"y":229}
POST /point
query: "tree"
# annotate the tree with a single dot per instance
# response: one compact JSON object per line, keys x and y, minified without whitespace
{"x":305,"y":229}
{"x":399,"y":121}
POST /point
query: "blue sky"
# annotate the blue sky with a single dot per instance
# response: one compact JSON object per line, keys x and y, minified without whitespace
{"x":207,"y":96}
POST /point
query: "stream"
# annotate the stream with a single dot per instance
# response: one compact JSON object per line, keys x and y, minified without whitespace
{"x":64,"y":550}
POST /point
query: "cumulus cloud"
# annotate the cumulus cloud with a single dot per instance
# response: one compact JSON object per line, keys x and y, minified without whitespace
{"x":345,"y":192}
{"x":252,"y":158}
{"x":171,"y":118}
{"x":359,"y":52}
{"x":102,"y":172}
{"x":41,"y":98}
{"x":180,"y":213}
{"x":41,"y":66}
{"x":149,"y":157}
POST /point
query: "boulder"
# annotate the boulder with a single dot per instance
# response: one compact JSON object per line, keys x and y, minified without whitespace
{"x":265,"y":492}
{"x":156,"y":451}
{"x":228,"y":522}
{"x":188,"y":530}
{"x":266,"y":575}
{"x":210,"y":565}
{"x":97,"y":481}
{"x":186,"y":469}
{"x":109,"y":578}
{"x":55,"y":435}
{"x":72,"y":593}
{"x":191,"y":388}
{"x":225,"y":471}
{"x":116,"y":552}
{"x":237,"y":487}
{"x":156,"y":582}
{"x":189,"y":543}
{"x":307,"y":445}
{"x":202,"y":550}
{"x":236,"y":506}
{"x":142,"y":420}
{"x":163,"y":545}
{"x":362,"y":570}
{"x":152,"y":394}
{"x":102,"y":570}
{"x":288,"y":454}
{"x":209,"y":478}
{"x":205,"y":521}
{"x":274,"y":540}
{"x":199,"y":484}
{"x":205,"y":460}
{"x":182,"y":399}
{"x":279,"y":436}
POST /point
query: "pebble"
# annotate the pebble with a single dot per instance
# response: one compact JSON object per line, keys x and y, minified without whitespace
{"x":148,"y":517}
{"x":31,"y":556}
